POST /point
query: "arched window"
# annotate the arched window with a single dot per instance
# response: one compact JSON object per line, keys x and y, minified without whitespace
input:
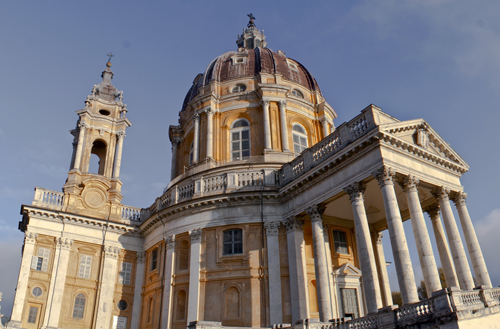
{"x":240,"y":139}
{"x":299,"y":139}
{"x":239,"y":88}
{"x":99,"y":149}
{"x":191,"y":153}
{"x":79,"y":307}
{"x":297,"y":93}
{"x":232,"y":242}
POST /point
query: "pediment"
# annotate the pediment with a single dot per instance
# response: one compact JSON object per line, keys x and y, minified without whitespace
{"x":419,"y":135}
{"x":347,"y":269}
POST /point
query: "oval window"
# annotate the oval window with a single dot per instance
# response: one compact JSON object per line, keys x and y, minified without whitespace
{"x":239,"y":88}
{"x":37,"y":291}
{"x":104,"y":112}
{"x":122,"y":305}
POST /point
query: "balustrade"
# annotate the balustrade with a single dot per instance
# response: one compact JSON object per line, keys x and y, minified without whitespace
{"x":214,"y":183}
{"x":48,"y":198}
{"x":131,"y":213}
{"x":412,"y":313}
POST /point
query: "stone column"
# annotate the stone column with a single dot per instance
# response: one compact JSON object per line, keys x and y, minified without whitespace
{"x":444,"y":252}
{"x":476,"y":256}
{"x":57,"y":282}
{"x":298,"y":286}
{"x":385,"y":286}
{"x":273,"y":268}
{"x":424,"y":247}
{"x":365,"y":251}
{"x":24,"y":274}
{"x":456,"y":246}
{"x":108,"y":281}
{"x":267,"y":125}
{"x":210,"y":133}
{"x":284,"y":128}
{"x":320,"y":263}
{"x":173,"y":168}
{"x":402,"y":260}
{"x":139,"y":280}
{"x":166,"y":312}
{"x":194,"y":276}
{"x":333,"y":301}
{"x":118,"y":156}
{"x":326,"y":131}
{"x":196,"y":141}
{"x":79,"y":148}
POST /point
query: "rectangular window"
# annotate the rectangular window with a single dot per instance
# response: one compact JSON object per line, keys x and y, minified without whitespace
{"x":41,"y":262}
{"x":154,"y":259}
{"x":340,"y":242}
{"x":33,"y":314}
{"x":349,"y":303}
{"x":233,"y":242}
{"x":125,"y":273}
{"x":85,"y":266}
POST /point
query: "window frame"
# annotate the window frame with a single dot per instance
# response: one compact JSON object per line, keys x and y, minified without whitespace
{"x":32,"y":318}
{"x":81,"y":307}
{"x":125,"y":274}
{"x":297,"y":93}
{"x":345,"y":243}
{"x":299,"y":135}
{"x":239,"y":88}
{"x":40,"y":263}
{"x":239,"y":130}
{"x":86,"y":266}
{"x":232,"y":243}
{"x":154,"y":259}
{"x":191,"y":154}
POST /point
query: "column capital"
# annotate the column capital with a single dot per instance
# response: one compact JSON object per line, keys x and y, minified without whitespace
{"x":433,"y":211}
{"x":30,"y":237}
{"x":176,"y":140}
{"x":441,"y":193}
{"x":140,"y":257}
{"x":315,"y":212}
{"x":272,"y":228}
{"x":265,"y":102}
{"x":64,"y":243}
{"x":409,"y":183}
{"x":120,"y":134}
{"x":282,"y":104}
{"x":209,"y":111}
{"x":459,"y":198}
{"x":195,"y":235}
{"x":196,"y":117}
{"x":112,"y":252}
{"x":293,"y":224}
{"x":385,"y":176}
{"x":377,"y":237}
{"x":170,"y":241}
{"x":355,"y":191}
{"x":83,"y":126}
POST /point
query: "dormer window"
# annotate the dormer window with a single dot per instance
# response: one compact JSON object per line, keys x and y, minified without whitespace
{"x":297,"y":93}
{"x":292,"y":65}
{"x":239,"y":59}
{"x":239,"y":88}
{"x":104,"y":112}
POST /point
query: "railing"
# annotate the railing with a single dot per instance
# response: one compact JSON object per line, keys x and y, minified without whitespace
{"x":214,"y":183}
{"x":495,"y":293}
{"x":186,"y":191}
{"x":471,"y":298}
{"x":47,"y":198}
{"x":250,"y":179}
{"x":131,"y":213}
{"x":413,"y":312}
{"x":367,"y":322}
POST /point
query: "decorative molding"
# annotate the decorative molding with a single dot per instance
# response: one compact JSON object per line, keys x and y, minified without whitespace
{"x":433,"y":211}
{"x":355,"y":191}
{"x":282,"y":103}
{"x":293,"y":224}
{"x":120,"y":134}
{"x":423,"y":135}
{"x":460,"y":198}
{"x":385,"y":176}
{"x":30,"y":237}
{"x":441,"y":193}
{"x":272,"y":228}
{"x":377,"y":237}
{"x":196,"y":117}
{"x":409,"y":183}
{"x":209,"y":111}
{"x":265,"y":103}
{"x":170,"y":240}
{"x":315,"y":212}
{"x":64,"y":243}
{"x":195,"y":235}
{"x":141,"y":257}
{"x":111,"y":251}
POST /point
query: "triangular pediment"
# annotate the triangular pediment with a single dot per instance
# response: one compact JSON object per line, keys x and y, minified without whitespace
{"x":347,"y":269}
{"x":418,"y":135}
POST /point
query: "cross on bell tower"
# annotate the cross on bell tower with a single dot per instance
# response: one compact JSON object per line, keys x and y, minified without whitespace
{"x":98,"y":137}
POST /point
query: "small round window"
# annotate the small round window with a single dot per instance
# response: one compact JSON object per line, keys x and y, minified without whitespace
{"x":239,"y":88}
{"x":104,"y":112}
{"x":122,"y":305}
{"x":37,"y":291}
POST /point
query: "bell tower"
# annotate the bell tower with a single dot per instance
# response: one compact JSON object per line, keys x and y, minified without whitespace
{"x":94,"y":189}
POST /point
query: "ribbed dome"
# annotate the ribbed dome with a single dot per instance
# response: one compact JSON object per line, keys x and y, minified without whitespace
{"x":249,"y":63}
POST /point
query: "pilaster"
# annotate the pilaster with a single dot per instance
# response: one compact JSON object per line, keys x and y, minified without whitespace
{"x":166,"y":312}
{"x":194,"y":276}
{"x":108,"y":281}
{"x":274,"y":272}
{"x":139,"y":279}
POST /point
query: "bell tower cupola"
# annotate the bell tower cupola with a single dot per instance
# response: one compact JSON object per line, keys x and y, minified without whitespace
{"x":93,"y":186}
{"x":251,"y":37}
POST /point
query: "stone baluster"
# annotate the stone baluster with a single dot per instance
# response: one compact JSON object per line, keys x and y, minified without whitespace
{"x":196,"y":141}
{"x":284,"y":128}
{"x":421,"y":234}
{"x":385,"y":286}
{"x":167,"y":308}
{"x":320,"y":263}
{"x":456,"y":246}
{"x":402,"y":260}
{"x":57,"y":282}
{"x":24,"y":274}
{"x":443,"y":249}
{"x":118,"y":156}
{"x":476,"y":255}
{"x":194,"y":276}
{"x":267,"y":125}
{"x":210,"y":128}
{"x":139,"y":280}
{"x":273,"y":268}
{"x":296,"y":264}
{"x":366,"y":256}
{"x":105,"y":307}
{"x":79,"y":149}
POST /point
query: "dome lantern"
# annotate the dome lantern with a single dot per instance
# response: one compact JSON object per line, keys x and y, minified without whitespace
{"x":251,"y":37}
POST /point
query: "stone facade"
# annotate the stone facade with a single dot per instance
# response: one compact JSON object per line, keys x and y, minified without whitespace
{"x":273,"y":216}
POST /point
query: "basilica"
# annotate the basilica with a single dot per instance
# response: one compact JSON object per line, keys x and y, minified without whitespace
{"x":273,"y":217}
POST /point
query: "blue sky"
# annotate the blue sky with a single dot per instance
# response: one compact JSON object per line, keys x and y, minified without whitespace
{"x":431,"y":59}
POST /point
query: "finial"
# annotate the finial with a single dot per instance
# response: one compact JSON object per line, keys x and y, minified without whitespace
{"x":108,"y":64}
{"x":252,"y":18}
